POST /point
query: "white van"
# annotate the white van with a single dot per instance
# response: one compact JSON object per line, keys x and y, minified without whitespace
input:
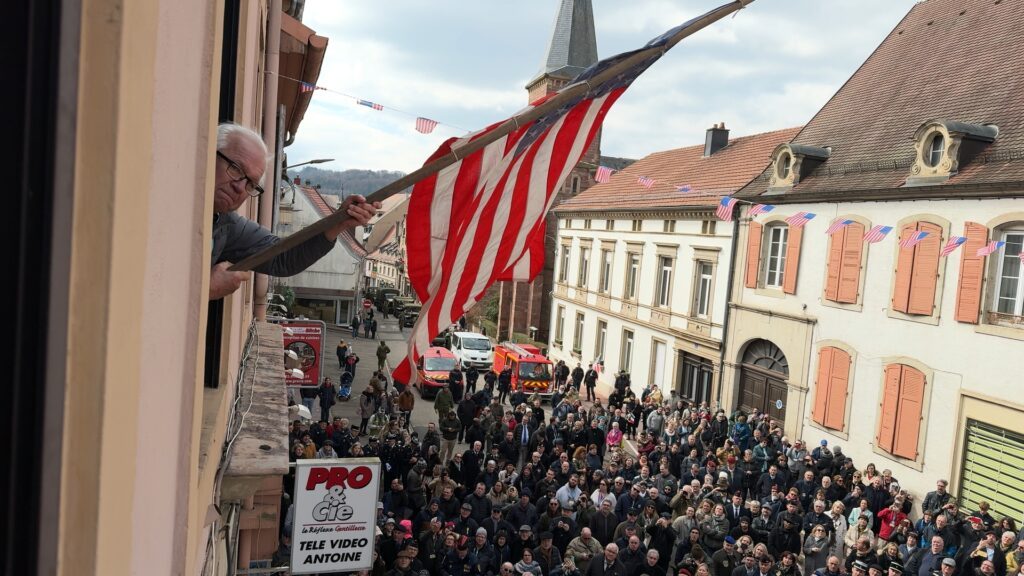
{"x":472,"y":349}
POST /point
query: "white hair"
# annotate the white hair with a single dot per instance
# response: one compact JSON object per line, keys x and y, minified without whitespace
{"x":229,"y":132}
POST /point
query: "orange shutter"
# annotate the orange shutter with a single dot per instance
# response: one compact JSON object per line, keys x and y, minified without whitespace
{"x":754,"y":234}
{"x":904,"y":268}
{"x":839,"y":379}
{"x":849,"y":275}
{"x":835,"y":260}
{"x":821,"y":393}
{"x":972,"y":272}
{"x":926,"y":270}
{"x":908,"y":421}
{"x":890,"y":403}
{"x":792,"y":259}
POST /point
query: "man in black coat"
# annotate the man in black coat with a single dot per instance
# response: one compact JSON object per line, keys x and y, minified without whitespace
{"x":609,"y":565}
{"x":577,"y":377}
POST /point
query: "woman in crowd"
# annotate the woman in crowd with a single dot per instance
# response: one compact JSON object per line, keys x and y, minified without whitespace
{"x":839,"y":526}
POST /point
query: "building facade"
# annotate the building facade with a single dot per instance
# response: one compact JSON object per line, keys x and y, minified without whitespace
{"x":642,"y":273}
{"x":906,"y":357}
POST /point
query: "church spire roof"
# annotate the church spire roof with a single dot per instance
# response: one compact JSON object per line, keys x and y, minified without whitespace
{"x":573,"y":45}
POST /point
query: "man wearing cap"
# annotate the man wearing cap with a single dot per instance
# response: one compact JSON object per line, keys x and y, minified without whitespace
{"x":465,"y":525}
{"x":583,"y":549}
{"x":987,"y":549}
{"x":460,"y":562}
{"x":483,"y":550}
{"x":402,"y":564}
{"x":523,"y":541}
{"x":390,"y":548}
{"x":546,"y":554}
{"x":724,"y":561}
{"x":564,"y":527}
{"x":894,"y":569}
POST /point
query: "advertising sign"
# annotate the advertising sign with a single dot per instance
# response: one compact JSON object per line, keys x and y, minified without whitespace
{"x":306,"y":340}
{"x":335,"y":515}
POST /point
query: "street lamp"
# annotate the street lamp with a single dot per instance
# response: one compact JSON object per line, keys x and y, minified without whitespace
{"x":317,"y":161}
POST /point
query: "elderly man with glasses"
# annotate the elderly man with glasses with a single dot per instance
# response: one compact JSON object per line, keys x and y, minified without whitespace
{"x":241,"y":161}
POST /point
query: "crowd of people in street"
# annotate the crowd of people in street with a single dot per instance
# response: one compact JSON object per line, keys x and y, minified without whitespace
{"x":504,"y":485}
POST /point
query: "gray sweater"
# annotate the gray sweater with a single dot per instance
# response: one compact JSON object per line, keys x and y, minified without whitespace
{"x":236,"y":237}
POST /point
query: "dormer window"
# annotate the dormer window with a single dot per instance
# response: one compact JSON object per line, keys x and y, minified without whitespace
{"x":942,"y":146}
{"x":785,"y":164}
{"x":791,"y":162}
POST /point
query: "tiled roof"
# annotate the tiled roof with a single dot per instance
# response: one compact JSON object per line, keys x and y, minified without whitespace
{"x":324,"y":209}
{"x":573,"y":45}
{"x":952,"y":60}
{"x":724,"y":172}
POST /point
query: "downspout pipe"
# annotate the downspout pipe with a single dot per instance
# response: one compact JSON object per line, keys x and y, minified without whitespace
{"x":728,"y":299}
{"x":266,"y":209}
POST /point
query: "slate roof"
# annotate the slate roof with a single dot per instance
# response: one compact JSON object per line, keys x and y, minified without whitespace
{"x":324,"y":209}
{"x":722,"y":173}
{"x":573,"y":46}
{"x":952,"y":60}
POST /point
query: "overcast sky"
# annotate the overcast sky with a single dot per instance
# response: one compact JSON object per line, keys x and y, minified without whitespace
{"x":465,"y":63}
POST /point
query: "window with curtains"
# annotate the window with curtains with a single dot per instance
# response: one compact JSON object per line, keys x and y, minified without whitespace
{"x":626,"y":351}
{"x":1009,"y":278}
{"x":702,"y":289}
{"x":900,"y":413}
{"x":632,"y":275}
{"x":775,"y":256}
{"x":606,"y":271}
{"x":917,"y":268}
{"x":663,"y":290}
{"x":831,"y":388}
{"x":577,"y":333}
{"x":584,"y":271}
{"x":563,"y":263}
{"x":560,"y":324}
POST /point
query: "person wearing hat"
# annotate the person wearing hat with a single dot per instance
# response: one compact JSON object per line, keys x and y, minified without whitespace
{"x":461,"y":562}
{"x":986,"y":549}
{"x":524,"y":540}
{"x":725,"y":560}
{"x":546,"y":554}
{"x":662,"y":539}
{"x":484,"y":552}
{"x":564,"y":528}
{"x":894,"y":569}
{"x":401,"y":565}
{"x":465,"y":525}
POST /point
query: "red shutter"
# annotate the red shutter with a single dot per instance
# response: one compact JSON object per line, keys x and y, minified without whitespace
{"x":849,"y":275}
{"x":754,"y":234}
{"x":904,"y":268}
{"x":925,"y":276}
{"x":835,"y":260}
{"x":890,"y":403}
{"x":839,"y":381}
{"x":792,"y":259}
{"x":821,"y":393}
{"x":972,"y":272}
{"x":908,"y":421}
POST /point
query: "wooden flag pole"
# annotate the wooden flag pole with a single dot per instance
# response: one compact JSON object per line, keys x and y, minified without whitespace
{"x":504,"y":129}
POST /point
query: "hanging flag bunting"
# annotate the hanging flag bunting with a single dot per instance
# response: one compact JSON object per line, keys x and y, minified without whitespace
{"x":799,"y":219}
{"x":724,"y":211}
{"x":369,"y":104}
{"x":685,"y":188}
{"x":990,"y":248}
{"x":952,"y":244}
{"x":877,"y":234}
{"x":425,"y":125}
{"x":913,"y":240}
{"x":604,"y":174}
{"x":307,"y":87}
{"x":761,"y":209}
{"x":645,"y":181}
{"x":837,"y":226}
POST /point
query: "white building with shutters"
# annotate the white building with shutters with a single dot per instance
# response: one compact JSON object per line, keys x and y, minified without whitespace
{"x":906,"y":358}
{"x":641,"y":274}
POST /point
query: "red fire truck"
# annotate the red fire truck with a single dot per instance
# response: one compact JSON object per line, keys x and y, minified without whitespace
{"x":531,"y":372}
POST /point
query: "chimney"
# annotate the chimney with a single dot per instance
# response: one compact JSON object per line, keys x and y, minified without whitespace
{"x":716,"y":139}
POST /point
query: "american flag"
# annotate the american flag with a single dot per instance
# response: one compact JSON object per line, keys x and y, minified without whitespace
{"x":425,"y":125}
{"x":307,"y":87}
{"x":724,"y":211}
{"x":645,"y":181}
{"x":604,"y":174}
{"x":990,"y":248}
{"x":760,"y":209}
{"x":369,"y":104}
{"x":952,"y":244}
{"x":685,"y":188}
{"x":481,"y":219}
{"x":913,"y":240}
{"x":877,"y":234}
{"x":837,"y":226}
{"x":799,"y":219}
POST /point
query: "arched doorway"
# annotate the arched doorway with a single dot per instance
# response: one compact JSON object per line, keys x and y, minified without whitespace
{"x":763,"y":374}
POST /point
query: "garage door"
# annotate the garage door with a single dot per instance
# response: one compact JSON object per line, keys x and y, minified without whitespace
{"x":993,"y":470}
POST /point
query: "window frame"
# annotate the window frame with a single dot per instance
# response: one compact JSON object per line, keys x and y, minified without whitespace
{"x":630,"y":289}
{"x":923,"y":423}
{"x":944,"y":230}
{"x":560,"y":325}
{"x":565,"y":258}
{"x":663,"y":281}
{"x":578,"y":330}
{"x":607,"y":265}
{"x":600,"y":340}
{"x":626,"y":350}
{"x":583,"y":273}
{"x":696,"y":378}
{"x":638,"y":225}
{"x":850,"y":375}
{"x":998,"y":276}
{"x":700,"y":281}
{"x":668,"y":226}
{"x":780,"y":257}
{"x":587,"y":222}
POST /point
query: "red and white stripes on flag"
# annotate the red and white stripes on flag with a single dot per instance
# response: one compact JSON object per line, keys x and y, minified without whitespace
{"x":645,"y":181}
{"x":914,"y":239}
{"x":724,"y":210}
{"x":952,"y":244}
{"x":760,"y":209}
{"x":604,"y":174}
{"x":990,"y":248}
{"x":799,"y":219}
{"x":877,"y":234}
{"x":425,"y":125}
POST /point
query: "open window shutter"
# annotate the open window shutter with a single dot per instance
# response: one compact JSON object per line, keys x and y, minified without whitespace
{"x":792,"y":259}
{"x":835,"y":410}
{"x":821,"y":387}
{"x":890,"y":402}
{"x":908,"y":414}
{"x":972,"y":272}
{"x":849,"y":274}
{"x":835,"y":260}
{"x":904,"y":269}
{"x":754,"y":234}
{"x":926,"y":270}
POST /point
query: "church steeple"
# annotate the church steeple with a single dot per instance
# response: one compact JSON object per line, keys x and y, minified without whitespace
{"x":573,"y":48}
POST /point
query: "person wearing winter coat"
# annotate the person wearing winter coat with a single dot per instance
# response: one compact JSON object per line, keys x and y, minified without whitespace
{"x":367,"y":406}
{"x":444,"y":402}
{"x":328,"y":397}
{"x":816,"y":549}
{"x":715,"y":528}
{"x":382,"y":355}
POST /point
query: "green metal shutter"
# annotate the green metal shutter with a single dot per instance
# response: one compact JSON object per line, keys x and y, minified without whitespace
{"x":993,"y":470}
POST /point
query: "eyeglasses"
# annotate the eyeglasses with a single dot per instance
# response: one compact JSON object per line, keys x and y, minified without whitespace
{"x":236,"y":174}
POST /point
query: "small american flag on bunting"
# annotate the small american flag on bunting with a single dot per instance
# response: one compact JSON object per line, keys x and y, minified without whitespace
{"x":369,"y":104}
{"x":425,"y":125}
{"x":724,"y":211}
{"x":604,"y":174}
{"x":837,"y":226}
{"x":990,"y":248}
{"x":952,"y":244}
{"x":760,"y":209}
{"x":645,"y":181}
{"x":799,"y":219}
{"x":685,"y":188}
{"x":877,"y":234}
{"x":307,"y":87}
{"x":913,"y":240}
